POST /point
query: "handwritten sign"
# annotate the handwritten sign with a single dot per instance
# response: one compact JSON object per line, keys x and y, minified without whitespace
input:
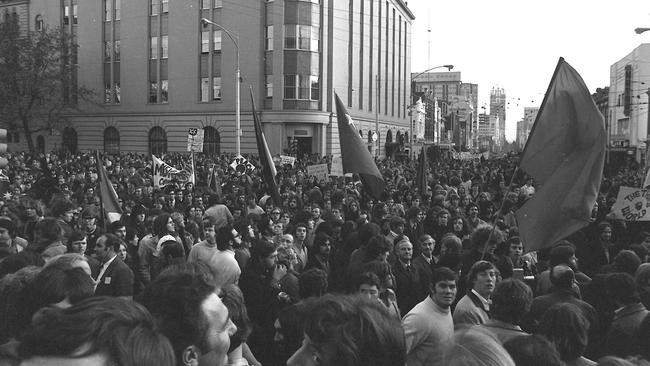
{"x":287,"y":160}
{"x":632,"y":204}
{"x":240,"y":164}
{"x":320,"y":171}
{"x":164,"y":174}
{"x":337,"y":167}
{"x":195,"y":139}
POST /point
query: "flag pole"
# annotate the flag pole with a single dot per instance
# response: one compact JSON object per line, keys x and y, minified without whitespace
{"x":541,"y":107}
{"x":503,"y":201}
{"x":101,"y":200}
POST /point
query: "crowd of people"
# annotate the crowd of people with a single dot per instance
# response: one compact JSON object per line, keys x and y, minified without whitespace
{"x":214,"y":271}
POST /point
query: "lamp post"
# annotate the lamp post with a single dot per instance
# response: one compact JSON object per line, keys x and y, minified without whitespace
{"x":449,"y":67}
{"x":235,"y":39}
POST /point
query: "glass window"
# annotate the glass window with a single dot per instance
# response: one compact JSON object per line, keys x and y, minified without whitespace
{"x":157,"y":140}
{"x":153,"y":92}
{"x":108,"y":11}
{"x":108,"y":46}
{"x":118,"y":6}
{"x":66,"y":14}
{"x":75,"y":20}
{"x":290,"y":87}
{"x":315,"y":38}
{"x":304,"y":37}
{"x":165,"y":48}
{"x":218,"y":3}
{"x":111,"y":140}
{"x":118,"y":94}
{"x":269,"y":38}
{"x":290,"y":36}
{"x":216,"y":39}
{"x":315,"y":88}
{"x":304,"y":88}
{"x":205,"y":4}
{"x":107,"y":93}
{"x":205,"y":41}
{"x":269,"y":86}
{"x":38,"y":23}
{"x":154,"y":47}
{"x":205,"y":89}
{"x":216,"y":88}
{"x":165,"y":6}
{"x":164,"y":91}
{"x":155,"y":7}
{"x":117,"y":50}
{"x":211,"y":141}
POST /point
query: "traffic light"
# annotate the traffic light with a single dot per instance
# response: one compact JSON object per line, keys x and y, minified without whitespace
{"x":3,"y":148}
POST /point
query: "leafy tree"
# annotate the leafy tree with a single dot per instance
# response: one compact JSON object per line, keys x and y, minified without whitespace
{"x":37,"y":85}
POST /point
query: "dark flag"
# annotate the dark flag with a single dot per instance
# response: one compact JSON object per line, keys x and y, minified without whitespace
{"x":266,"y":161}
{"x":356,"y":157}
{"x":109,"y":201}
{"x":421,"y":178}
{"x":565,"y":154}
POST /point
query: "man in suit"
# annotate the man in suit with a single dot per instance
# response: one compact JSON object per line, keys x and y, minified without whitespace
{"x":115,"y":277}
{"x":410,"y":283}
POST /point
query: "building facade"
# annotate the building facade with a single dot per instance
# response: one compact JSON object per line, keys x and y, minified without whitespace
{"x":629,"y":88}
{"x":158,"y":69}
{"x":498,"y":112}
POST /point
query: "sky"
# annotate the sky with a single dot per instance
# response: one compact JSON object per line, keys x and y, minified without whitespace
{"x":516,"y":44}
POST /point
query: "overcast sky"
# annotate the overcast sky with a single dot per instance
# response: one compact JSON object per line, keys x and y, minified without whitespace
{"x":515,"y":44}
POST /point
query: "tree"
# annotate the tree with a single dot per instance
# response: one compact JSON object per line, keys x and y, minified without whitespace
{"x":37,"y":85}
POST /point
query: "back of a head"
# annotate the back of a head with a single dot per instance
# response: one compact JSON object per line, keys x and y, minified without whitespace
{"x":367,"y":231}
{"x":567,"y":328}
{"x":471,"y":347}
{"x":48,"y":230}
{"x":621,"y":288}
{"x":312,"y":283}
{"x":562,"y":276}
{"x":627,"y":261}
{"x":511,"y":300}
{"x":121,"y":330}
{"x":358,"y":331}
{"x":533,"y":350}
{"x":561,"y":253}
{"x":174,"y":298}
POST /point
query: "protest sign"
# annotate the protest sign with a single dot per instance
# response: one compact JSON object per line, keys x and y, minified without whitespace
{"x":164,"y":174}
{"x":320,"y":171}
{"x":242,"y":165}
{"x":195,"y":140}
{"x":287,"y":160}
{"x":632,"y":204}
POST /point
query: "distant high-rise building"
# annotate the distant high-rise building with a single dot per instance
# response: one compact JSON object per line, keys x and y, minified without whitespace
{"x":498,"y":109}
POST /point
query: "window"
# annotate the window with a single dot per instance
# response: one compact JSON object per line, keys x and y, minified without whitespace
{"x":118,"y":6}
{"x":108,"y":13}
{"x":153,"y":92}
{"x":302,"y":37}
{"x":216,"y":39}
{"x":118,"y":96}
{"x":154,"y":48}
{"x":302,"y":87}
{"x":218,"y":3}
{"x":205,"y":41}
{"x":157,"y":140}
{"x":205,"y":89}
{"x":38,"y":23}
{"x":211,"y":141}
{"x":155,"y":7}
{"x":290,"y":36}
{"x":216,"y":88}
{"x":269,"y":38}
{"x":108,"y":47}
{"x":75,"y":20}
{"x":66,"y":14}
{"x":269,"y":86}
{"x":165,"y":6}
{"x":70,"y":140}
{"x":111,"y":140}
{"x":205,"y":4}
{"x":165,"y":52}
{"x":117,"y":50}
{"x":164,"y":91}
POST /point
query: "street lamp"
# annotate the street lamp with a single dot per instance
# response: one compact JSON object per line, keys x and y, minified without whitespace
{"x":641,"y":30}
{"x":235,"y":39}
{"x":449,"y":67}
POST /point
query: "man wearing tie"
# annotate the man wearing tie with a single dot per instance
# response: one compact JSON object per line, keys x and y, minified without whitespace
{"x":410,"y":282}
{"x":115,"y":277}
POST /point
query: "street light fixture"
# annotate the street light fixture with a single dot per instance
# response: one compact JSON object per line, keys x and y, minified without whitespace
{"x":641,"y":30}
{"x":449,"y":67}
{"x":235,"y":39}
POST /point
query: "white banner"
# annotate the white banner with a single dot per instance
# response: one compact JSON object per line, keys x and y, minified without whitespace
{"x":163,"y":173}
{"x":195,"y":140}
{"x":240,"y":164}
{"x":632,"y":204}
{"x":320,"y":171}
{"x":287,"y":160}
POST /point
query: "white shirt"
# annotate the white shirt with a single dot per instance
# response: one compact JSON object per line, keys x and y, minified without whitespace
{"x":486,"y":302}
{"x":104,"y":267}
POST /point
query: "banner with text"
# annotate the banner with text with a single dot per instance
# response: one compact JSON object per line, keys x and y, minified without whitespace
{"x":632,"y":204}
{"x":320,"y":171}
{"x":164,"y":174}
{"x":242,"y":165}
{"x":287,"y":160}
{"x":195,"y":140}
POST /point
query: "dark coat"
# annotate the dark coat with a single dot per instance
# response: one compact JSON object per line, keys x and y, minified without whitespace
{"x":410,"y":286}
{"x":116,"y":281}
{"x":621,"y":338}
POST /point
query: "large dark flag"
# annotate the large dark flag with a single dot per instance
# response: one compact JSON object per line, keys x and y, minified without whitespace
{"x":108,"y":197}
{"x":421,"y":177}
{"x":355,"y":155}
{"x":565,"y":154}
{"x":266,"y":161}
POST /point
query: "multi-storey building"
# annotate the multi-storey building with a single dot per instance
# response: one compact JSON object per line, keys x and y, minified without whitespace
{"x":498,"y":111}
{"x":158,"y":69}
{"x":629,"y":90}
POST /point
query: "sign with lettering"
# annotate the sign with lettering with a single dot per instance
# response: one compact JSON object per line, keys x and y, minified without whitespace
{"x":195,"y":140}
{"x":164,"y":174}
{"x":320,"y":171}
{"x":241,"y":165}
{"x":287,"y":160}
{"x":632,"y":204}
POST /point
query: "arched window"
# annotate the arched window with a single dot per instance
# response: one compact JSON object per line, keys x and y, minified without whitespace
{"x":111,"y":140}
{"x":389,"y":136}
{"x":40,"y":144}
{"x":211,"y":141}
{"x":70,"y":140}
{"x":38,"y":23}
{"x":405,"y":140}
{"x":157,"y":140}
